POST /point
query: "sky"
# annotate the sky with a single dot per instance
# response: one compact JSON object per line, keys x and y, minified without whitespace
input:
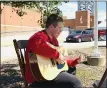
{"x":68,"y":9}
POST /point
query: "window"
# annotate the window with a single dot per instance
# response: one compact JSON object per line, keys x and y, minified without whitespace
{"x":76,"y":32}
{"x":85,"y":32}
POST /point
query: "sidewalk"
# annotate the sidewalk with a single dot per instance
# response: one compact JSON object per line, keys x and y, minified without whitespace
{"x":7,"y":38}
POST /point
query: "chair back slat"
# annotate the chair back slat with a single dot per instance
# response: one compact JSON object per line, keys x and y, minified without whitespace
{"x":19,"y":45}
{"x":22,"y":44}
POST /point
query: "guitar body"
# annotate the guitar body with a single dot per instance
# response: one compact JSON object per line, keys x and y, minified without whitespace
{"x":46,"y":68}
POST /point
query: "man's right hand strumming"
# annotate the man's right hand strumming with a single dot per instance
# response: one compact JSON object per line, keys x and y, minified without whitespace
{"x":60,"y":60}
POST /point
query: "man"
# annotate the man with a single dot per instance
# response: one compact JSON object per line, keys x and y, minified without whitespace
{"x":38,"y":45}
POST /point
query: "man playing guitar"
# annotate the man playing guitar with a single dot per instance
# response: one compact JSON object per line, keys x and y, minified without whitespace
{"x":38,"y":44}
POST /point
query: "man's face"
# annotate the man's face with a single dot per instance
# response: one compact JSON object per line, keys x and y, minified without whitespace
{"x":55,"y":31}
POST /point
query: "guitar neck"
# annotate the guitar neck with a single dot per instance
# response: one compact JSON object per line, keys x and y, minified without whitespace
{"x":68,"y":58}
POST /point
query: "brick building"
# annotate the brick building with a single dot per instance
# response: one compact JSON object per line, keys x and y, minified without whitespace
{"x":83,"y":20}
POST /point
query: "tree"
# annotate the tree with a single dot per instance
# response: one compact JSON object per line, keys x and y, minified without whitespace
{"x":44,"y":7}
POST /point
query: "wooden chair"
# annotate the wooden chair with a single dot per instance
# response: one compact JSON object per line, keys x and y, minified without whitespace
{"x":19,"y":46}
{"x":102,"y":82}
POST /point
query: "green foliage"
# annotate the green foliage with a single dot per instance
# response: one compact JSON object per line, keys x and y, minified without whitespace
{"x":44,"y":7}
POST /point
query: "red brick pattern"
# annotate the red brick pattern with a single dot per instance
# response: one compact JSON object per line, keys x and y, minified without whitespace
{"x":10,"y":17}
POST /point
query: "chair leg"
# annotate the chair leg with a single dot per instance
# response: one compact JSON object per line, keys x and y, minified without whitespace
{"x":95,"y":85}
{"x":26,"y":84}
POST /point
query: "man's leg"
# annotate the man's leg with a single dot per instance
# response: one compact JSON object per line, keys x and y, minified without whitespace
{"x":72,"y":70}
{"x":63,"y":80}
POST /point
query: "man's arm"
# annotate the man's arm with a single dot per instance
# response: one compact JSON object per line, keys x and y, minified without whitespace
{"x":73,"y":63}
{"x":42,"y":48}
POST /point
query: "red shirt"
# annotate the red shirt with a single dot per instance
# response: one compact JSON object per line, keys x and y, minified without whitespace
{"x":37,"y":44}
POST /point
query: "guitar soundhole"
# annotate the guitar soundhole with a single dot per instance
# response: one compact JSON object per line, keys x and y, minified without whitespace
{"x":60,"y":66}
{"x":52,"y":61}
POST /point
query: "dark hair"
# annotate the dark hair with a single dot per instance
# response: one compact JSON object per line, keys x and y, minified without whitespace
{"x":53,"y":19}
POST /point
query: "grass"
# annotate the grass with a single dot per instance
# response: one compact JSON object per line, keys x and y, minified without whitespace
{"x":11,"y":78}
{"x":87,"y":77}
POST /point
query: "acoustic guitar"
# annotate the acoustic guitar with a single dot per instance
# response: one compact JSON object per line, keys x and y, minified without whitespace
{"x":44,"y":68}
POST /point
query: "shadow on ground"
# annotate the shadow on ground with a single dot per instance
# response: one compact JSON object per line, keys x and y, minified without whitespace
{"x":10,"y":76}
{"x":74,"y":41}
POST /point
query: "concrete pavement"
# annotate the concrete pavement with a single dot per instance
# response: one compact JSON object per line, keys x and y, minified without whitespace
{"x":8,"y":52}
{"x":82,"y":45}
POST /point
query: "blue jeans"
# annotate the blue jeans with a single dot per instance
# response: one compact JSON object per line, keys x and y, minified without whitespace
{"x":63,"y":80}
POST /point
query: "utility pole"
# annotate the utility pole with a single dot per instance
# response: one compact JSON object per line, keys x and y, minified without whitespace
{"x":96,"y":26}
{"x":96,"y":58}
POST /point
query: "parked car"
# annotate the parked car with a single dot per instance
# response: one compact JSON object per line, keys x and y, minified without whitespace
{"x":101,"y":34}
{"x":80,"y":35}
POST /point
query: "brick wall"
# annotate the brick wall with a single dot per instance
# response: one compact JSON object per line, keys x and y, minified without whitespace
{"x":69,"y":22}
{"x":84,"y":16}
{"x":10,"y":20}
{"x":91,"y":21}
{"x":82,"y":19}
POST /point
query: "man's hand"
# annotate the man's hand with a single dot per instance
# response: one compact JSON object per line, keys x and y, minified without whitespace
{"x":80,"y":59}
{"x":63,"y":50}
{"x":60,"y":60}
